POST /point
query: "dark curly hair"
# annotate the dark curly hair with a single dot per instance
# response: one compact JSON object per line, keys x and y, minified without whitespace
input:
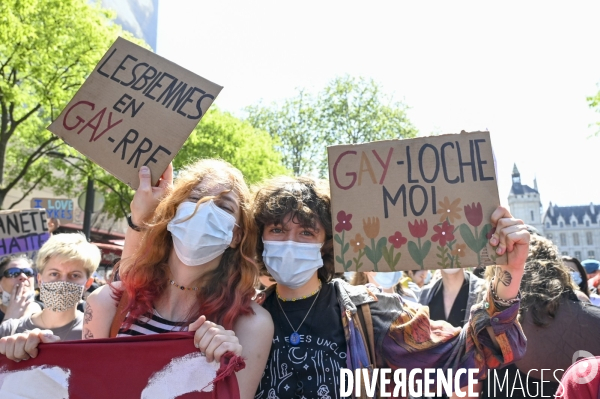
{"x":301,"y":199}
{"x":545,"y":282}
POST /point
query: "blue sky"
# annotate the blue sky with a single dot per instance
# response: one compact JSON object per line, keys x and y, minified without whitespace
{"x":521,"y":70}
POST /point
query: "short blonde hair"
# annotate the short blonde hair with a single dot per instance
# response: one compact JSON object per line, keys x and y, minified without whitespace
{"x":69,"y":246}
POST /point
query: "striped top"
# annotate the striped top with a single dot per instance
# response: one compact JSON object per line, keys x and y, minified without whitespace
{"x":154,"y":325}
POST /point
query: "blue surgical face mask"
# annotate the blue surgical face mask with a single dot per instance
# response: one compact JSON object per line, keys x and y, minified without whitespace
{"x":427,"y":278}
{"x":576,"y":277}
{"x":388,"y":279}
{"x":292,"y":263}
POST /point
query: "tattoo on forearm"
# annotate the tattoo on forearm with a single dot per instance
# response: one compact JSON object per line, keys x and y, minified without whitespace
{"x":87,"y":315}
{"x":502,"y":276}
{"x":87,"y":334}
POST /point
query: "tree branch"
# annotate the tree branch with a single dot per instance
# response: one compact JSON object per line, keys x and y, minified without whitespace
{"x":26,"y":193}
{"x":32,"y":158}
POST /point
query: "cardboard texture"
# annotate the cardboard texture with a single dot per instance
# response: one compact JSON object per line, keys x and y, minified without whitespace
{"x":22,"y":231}
{"x":58,"y":208}
{"x":136,"y":108}
{"x":422,"y":203}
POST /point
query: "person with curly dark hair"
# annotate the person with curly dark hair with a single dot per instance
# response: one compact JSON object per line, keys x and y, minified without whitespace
{"x":324,"y":324}
{"x":549,"y":311}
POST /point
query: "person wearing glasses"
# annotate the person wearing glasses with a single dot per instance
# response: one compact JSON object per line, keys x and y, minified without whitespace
{"x":17,"y":288}
{"x":65,"y":266}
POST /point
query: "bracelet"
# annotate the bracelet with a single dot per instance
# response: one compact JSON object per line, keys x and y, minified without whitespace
{"x":503,"y":302}
{"x":131,"y":224}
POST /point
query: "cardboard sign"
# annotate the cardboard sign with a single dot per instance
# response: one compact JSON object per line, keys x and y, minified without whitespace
{"x":421,"y":203}
{"x":57,"y":208}
{"x":136,"y":108}
{"x":22,"y":231}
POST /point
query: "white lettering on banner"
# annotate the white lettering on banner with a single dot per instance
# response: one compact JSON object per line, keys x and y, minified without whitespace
{"x":420,"y":382}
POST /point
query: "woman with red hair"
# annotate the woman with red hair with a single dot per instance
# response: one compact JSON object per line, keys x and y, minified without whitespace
{"x":193,"y":269}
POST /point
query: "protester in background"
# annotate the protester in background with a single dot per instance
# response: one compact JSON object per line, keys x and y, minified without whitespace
{"x":555,"y":322}
{"x":419,"y":277}
{"x":17,"y":288}
{"x":188,"y":264}
{"x":592,"y":268}
{"x":451,"y":297}
{"x":578,"y":274}
{"x":65,"y":266}
{"x":362,"y":328}
{"x":388,"y":282}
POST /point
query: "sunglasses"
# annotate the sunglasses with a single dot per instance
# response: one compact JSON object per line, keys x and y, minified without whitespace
{"x":16,"y":272}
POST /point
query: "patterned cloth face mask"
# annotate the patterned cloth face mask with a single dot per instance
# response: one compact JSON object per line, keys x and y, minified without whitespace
{"x":60,"y":296}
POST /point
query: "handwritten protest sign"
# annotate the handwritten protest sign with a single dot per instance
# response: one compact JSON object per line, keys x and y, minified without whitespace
{"x":57,"y":208}
{"x":421,"y":203}
{"x":22,"y":231}
{"x":136,"y":108}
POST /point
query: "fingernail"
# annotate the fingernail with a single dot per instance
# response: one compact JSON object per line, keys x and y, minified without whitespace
{"x":499,"y":250}
{"x":494,"y":240}
{"x":144,"y":169}
{"x":48,"y":335}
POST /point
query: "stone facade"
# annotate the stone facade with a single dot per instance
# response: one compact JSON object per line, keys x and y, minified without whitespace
{"x":575,"y":230}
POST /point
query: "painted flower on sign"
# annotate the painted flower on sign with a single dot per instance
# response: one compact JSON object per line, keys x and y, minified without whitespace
{"x":343,"y":222}
{"x":358,"y":243}
{"x":397,"y":240}
{"x":371,"y":227}
{"x":474,"y":214}
{"x":418,"y":229}
{"x":443,"y":234}
{"x":449,"y":210}
{"x":460,"y":250}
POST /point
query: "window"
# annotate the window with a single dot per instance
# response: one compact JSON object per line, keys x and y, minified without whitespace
{"x":532,"y":219}
{"x":565,"y":253}
{"x":563,"y":239}
{"x":548,"y":225}
{"x":578,"y":254}
{"x":575,"y":238}
{"x":550,"y":236}
{"x":573,"y":224}
{"x":591,"y":254}
{"x":561,"y":224}
{"x":587,"y":223}
{"x":589,"y":238}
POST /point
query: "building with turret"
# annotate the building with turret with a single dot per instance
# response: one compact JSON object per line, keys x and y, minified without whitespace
{"x":525,"y":202}
{"x":575,"y":230}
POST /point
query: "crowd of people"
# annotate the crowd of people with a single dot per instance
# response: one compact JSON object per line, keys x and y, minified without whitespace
{"x":251,"y":272}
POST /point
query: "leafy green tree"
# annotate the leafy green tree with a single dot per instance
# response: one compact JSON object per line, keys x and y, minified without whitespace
{"x":47,"y":49}
{"x":294,"y":124}
{"x":347,"y":111}
{"x":221,"y":135}
{"x":594,"y":103}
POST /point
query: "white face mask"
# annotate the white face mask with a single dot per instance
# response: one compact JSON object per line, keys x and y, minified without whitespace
{"x":451,"y":271}
{"x":427,"y":278}
{"x":387,"y":280}
{"x":292,"y":263}
{"x":202,"y":237}
{"x":576,"y":277}
{"x":6,"y":297}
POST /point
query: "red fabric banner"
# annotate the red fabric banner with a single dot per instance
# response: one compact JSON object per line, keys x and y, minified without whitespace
{"x":163,"y":366}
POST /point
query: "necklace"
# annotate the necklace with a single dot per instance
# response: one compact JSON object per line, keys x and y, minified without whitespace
{"x":299,"y":298}
{"x":182,"y":288}
{"x":295,"y":337}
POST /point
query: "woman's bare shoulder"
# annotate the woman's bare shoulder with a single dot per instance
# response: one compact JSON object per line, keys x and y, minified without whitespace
{"x":260,"y":320}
